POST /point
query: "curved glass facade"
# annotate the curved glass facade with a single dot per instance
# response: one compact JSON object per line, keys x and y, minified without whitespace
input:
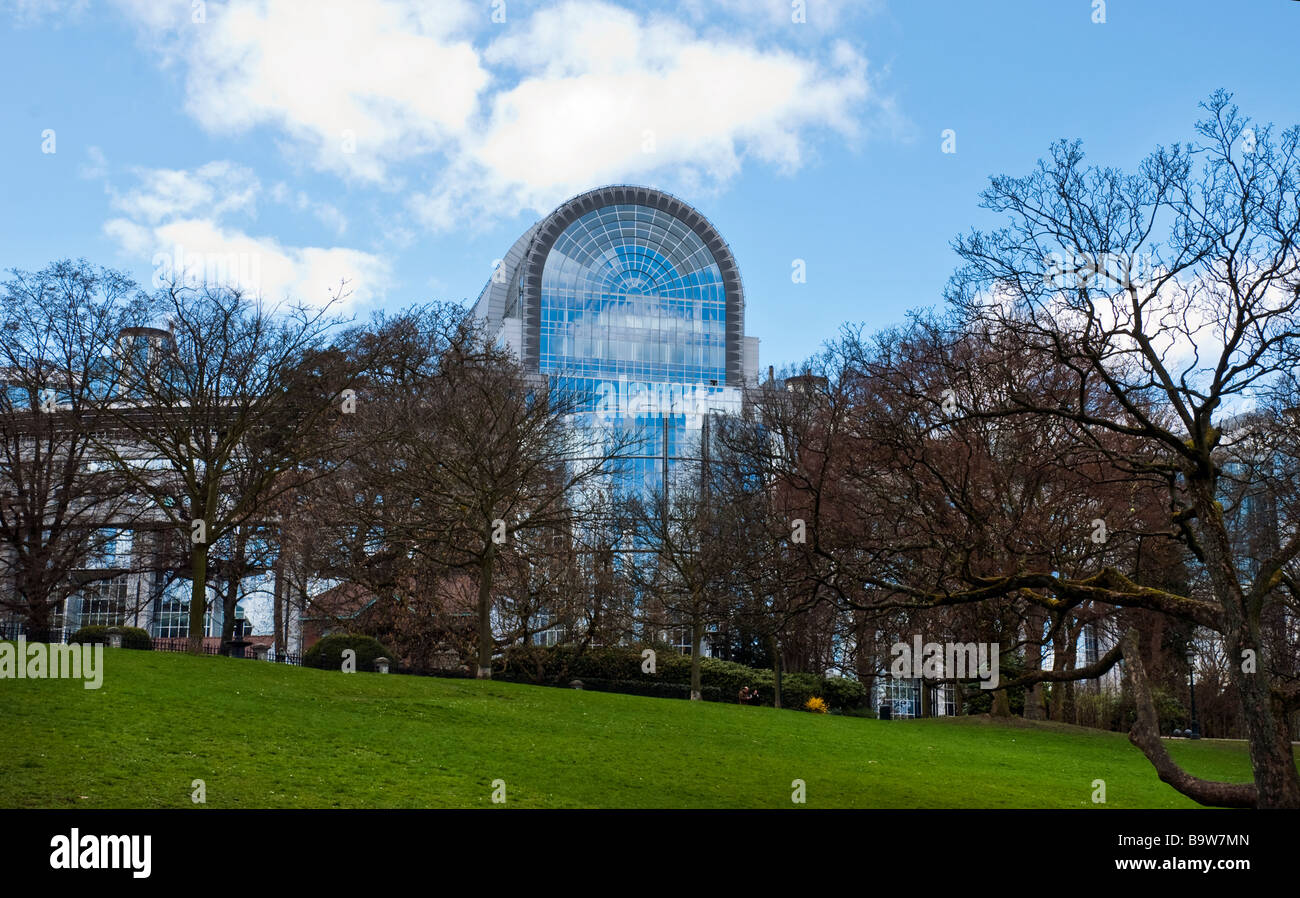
{"x":630,"y":290}
{"x":632,"y":312}
{"x":618,"y":297}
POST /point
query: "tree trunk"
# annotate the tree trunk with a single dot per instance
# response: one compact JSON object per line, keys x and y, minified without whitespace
{"x":198,"y":595}
{"x":280,"y":595}
{"x":485,"y":641}
{"x":39,"y":615}
{"x":1146,"y":737}
{"x":1271,"y":756}
{"x":776,"y":670}
{"x":1001,"y":704}
{"x":1034,"y":702}
{"x":296,"y":609}
{"x":697,"y":642}
{"x":1001,"y":699}
{"x":1034,"y":661}
{"x":1056,"y":708}
{"x":234,"y":576}
{"x":228,"y":602}
{"x":1068,"y":709}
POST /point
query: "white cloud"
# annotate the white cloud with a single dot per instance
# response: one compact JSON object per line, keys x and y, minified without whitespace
{"x":326,"y":213}
{"x":217,"y":189}
{"x":261,"y":265}
{"x":41,"y":12}
{"x":518,"y":115}
{"x":356,"y":84}
{"x":175,"y":219}
{"x":815,"y":15}
{"x":134,"y":239}
{"x":96,"y":165}
{"x":1186,"y":320}
{"x":606,"y":95}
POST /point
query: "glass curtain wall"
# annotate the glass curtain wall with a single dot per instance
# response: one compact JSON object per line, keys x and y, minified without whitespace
{"x":633,"y":321}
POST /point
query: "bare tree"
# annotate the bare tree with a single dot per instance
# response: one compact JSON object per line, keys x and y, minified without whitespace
{"x":693,"y":531}
{"x":55,"y":496}
{"x":1176,"y":290}
{"x":474,"y":471}
{"x":794,"y":444}
{"x":212,"y":417}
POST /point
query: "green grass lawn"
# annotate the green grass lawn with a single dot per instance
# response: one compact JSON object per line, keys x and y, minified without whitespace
{"x":265,"y":735}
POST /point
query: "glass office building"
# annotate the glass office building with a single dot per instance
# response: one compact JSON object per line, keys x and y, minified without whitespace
{"x":630,"y":298}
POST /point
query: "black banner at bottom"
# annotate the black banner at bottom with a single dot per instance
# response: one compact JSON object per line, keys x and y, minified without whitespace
{"x":334,"y":848}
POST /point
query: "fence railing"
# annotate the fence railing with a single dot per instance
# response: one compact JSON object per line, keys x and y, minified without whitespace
{"x":11,"y":630}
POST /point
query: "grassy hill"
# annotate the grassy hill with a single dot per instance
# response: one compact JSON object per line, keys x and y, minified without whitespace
{"x":265,"y":735}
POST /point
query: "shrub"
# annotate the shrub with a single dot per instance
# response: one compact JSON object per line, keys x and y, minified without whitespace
{"x":1103,"y":710}
{"x":328,"y":653}
{"x":621,"y":666}
{"x":542,"y":664}
{"x":841,"y":692}
{"x":132,"y":637}
{"x":651,"y":688}
{"x":816,"y":704}
{"x":796,"y":689}
{"x":868,"y":713}
{"x":1169,"y":710}
{"x":980,"y":701}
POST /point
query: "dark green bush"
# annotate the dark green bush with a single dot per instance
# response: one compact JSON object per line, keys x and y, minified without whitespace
{"x":652,"y":688}
{"x":1171,"y":712}
{"x":869,"y":713}
{"x":980,"y":701}
{"x":1104,"y":710}
{"x":796,"y":689}
{"x":976,"y":700}
{"x":543,"y":664}
{"x":328,"y":653}
{"x":729,"y":676}
{"x":841,"y":692}
{"x":132,"y":637}
{"x":621,"y":665}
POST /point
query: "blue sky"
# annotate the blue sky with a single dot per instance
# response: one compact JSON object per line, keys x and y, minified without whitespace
{"x":405,"y":145}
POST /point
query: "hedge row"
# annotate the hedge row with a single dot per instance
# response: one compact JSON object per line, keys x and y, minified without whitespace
{"x":652,"y":688}
{"x":557,"y":665}
{"x":132,"y":637}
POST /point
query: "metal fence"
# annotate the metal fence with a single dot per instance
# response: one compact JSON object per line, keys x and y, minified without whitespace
{"x":11,"y":630}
